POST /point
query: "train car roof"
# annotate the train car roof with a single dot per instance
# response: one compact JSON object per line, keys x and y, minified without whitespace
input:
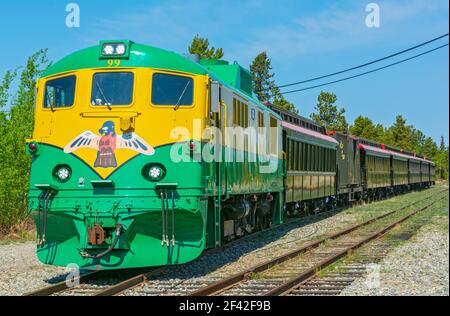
{"x":388,"y":152}
{"x":375,"y":150}
{"x":311,"y":134}
{"x":382,"y":149}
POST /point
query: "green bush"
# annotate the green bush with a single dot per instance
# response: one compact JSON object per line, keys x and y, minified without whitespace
{"x":16,"y":125}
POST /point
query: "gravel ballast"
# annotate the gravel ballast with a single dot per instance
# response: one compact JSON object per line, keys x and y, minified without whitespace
{"x":419,"y":267}
{"x":21,"y":272}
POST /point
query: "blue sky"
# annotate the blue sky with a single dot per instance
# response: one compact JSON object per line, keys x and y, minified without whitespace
{"x":304,"y":39}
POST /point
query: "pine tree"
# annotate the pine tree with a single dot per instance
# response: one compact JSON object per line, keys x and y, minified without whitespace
{"x":327,"y":113}
{"x":201,"y":47}
{"x":363,"y":127}
{"x":403,"y":136}
{"x":429,"y":149}
{"x":442,"y":161}
{"x":262,"y":77}
{"x":264,"y":85}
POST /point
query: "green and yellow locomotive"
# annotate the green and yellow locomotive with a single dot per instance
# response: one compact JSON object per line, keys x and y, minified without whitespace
{"x":122,"y":174}
{"x":142,"y":157}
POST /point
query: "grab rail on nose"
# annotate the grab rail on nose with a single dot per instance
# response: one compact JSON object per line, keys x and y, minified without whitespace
{"x":164,"y":189}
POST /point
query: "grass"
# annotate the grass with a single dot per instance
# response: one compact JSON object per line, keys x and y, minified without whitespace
{"x":19,"y":237}
{"x":20,"y":233}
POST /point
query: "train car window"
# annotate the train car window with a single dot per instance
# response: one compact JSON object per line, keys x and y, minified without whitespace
{"x":60,"y":92}
{"x":289,"y":153}
{"x":308,"y":166}
{"x":313,"y":158}
{"x":293,"y":155}
{"x":235,"y":111}
{"x":273,"y":136}
{"x":330,"y":160}
{"x":310,"y":157}
{"x":260,"y":119}
{"x":239,"y":113}
{"x":246,"y":115}
{"x":172,"y":90}
{"x":112,"y":88}
{"x":242,"y":114}
{"x":305,"y":157}
{"x":318,"y":158}
{"x":302,"y":156}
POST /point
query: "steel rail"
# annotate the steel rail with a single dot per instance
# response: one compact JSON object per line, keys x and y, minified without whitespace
{"x":63,"y":285}
{"x":222,"y":285}
{"x":295,"y":282}
{"x":128,"y":284}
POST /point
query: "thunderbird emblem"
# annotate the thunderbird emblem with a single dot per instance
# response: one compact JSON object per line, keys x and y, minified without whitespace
{"x":107,"y":143}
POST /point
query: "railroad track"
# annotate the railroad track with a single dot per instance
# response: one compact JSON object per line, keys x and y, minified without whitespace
{"x":254,"y":281}
{"x":333,"y":282}
{"x":88,"y":283}
{"x":286,"y":274}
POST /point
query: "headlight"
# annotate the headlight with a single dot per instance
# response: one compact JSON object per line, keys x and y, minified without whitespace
{"x":108,"y":50}
{"x":154,"y":172}
{"x":62,"y":173}
{"x":114,"y":49}
{"x":120,"y":49}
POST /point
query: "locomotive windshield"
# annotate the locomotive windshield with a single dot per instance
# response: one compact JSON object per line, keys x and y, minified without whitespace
{"x":112,"y":88}
{"x":59,"y":92}
{"x":172,"y":90}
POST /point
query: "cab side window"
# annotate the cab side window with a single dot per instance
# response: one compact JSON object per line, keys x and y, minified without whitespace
{"x":172,"y":90}
{"x":60,"y":92}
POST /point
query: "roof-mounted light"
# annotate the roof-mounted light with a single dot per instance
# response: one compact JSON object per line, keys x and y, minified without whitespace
{"x":115,"y":49}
